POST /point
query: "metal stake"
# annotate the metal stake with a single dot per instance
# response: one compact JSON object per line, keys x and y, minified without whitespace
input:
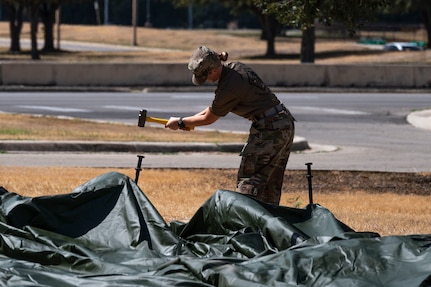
{"x":138,"y":167}
{"x":310,"y":187}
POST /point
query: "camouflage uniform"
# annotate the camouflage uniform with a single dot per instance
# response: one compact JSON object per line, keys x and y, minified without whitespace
{"x":265,"y":156}
{"x":242,"y":92}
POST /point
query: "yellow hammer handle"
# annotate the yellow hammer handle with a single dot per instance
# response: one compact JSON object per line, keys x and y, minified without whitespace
{"x":157,"y":120}
{"x":161,"y":121}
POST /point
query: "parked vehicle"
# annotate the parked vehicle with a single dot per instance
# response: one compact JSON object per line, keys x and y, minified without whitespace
{"x":402,"y":46}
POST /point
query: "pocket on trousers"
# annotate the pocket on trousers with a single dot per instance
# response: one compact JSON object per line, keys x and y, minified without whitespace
{"x":255,"y":153}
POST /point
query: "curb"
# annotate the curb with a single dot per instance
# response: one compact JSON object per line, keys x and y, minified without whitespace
{"x":205,"y":88}
{"x":299,"y":144}
{"x":420,"y":119}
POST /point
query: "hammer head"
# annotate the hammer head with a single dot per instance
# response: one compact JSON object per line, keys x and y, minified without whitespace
{"x":142,"y":118}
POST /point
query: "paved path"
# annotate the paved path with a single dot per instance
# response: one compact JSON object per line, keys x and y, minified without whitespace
{"x":85,"y":46}
{"x":322,"y":157}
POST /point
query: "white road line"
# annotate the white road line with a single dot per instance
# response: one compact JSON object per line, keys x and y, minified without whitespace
{"x":129,"y":108}
{"x":123,"y":108}
{"x":55,"y":109}
{"x":329,"y":111}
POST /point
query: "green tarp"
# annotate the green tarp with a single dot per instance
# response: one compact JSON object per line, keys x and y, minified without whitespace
{"x":107,"y":233}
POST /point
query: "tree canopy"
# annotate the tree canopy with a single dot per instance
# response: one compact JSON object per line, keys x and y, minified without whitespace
{"x":271,"y":14}
{"x":304,"y":13}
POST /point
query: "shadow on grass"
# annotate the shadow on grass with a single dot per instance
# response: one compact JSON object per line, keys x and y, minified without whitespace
{"x":25,"y":54}
{"x":319,"y":55}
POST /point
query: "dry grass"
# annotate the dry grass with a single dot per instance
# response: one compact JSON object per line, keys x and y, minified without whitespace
{"x":29,"y":127}
{"x":390,"y":204}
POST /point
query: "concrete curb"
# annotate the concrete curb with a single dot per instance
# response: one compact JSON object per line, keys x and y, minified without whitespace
{"x":154,"y":74}
{"x":205,"y":88}
{"x":299,"y":144}
{"x":420,"y":119}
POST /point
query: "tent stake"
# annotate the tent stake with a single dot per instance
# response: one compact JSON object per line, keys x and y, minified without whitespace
{"x":138,"y":168}
{"x":310,"y":187}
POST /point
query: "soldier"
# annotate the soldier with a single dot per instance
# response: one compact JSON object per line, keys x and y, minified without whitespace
{"x":241,"y":91}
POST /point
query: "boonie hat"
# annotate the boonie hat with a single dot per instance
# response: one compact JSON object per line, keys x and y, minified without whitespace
{"x":201,"y":62}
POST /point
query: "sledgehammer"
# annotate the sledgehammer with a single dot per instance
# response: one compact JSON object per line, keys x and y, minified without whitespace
{"x":143,"y":118}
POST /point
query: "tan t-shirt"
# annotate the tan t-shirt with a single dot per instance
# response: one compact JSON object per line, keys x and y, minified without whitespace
{"x":242,"y":92}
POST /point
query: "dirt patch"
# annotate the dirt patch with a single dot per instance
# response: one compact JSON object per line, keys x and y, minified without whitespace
{"x":360,"y":181}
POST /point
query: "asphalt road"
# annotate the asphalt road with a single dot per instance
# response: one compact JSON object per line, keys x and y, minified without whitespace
{"x":347,"y":131}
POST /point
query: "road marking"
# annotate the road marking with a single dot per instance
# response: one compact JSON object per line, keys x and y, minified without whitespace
{"x":330,"y":111}
{"x":124,"y":108}
{"x":152,"y":110}
{"x":55,"y":109}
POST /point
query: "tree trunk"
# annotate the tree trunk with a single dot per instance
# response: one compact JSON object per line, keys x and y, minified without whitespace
{"x":15,"y":26}
{"x":33,"y":14}
{"x":307,"y":45}
{"x":426,"y":16}
{"x":47,"y":15}
{"x":270,"y":29}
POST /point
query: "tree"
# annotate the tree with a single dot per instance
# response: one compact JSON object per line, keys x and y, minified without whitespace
{"x":304,"y":13}
{"x":33,"y":15}
{"x":270,"y":25}
{"x":15,"y":24}
{"x":423,"y":7}
{"x":36,"y":9}
{"x":16,"y":9}
{"x":47,"y":15}
{"x":47,"y":11}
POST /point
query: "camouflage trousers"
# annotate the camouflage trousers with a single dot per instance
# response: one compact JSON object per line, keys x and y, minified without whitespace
{"x":265,"y":156}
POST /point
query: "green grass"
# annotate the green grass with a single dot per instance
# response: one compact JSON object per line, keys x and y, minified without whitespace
{"x":14,"y":132}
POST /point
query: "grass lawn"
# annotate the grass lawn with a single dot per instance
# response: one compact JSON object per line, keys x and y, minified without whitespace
{"x":387,"y":203}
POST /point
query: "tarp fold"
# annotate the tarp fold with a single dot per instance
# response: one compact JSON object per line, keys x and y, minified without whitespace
{"x":106,"y":232}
